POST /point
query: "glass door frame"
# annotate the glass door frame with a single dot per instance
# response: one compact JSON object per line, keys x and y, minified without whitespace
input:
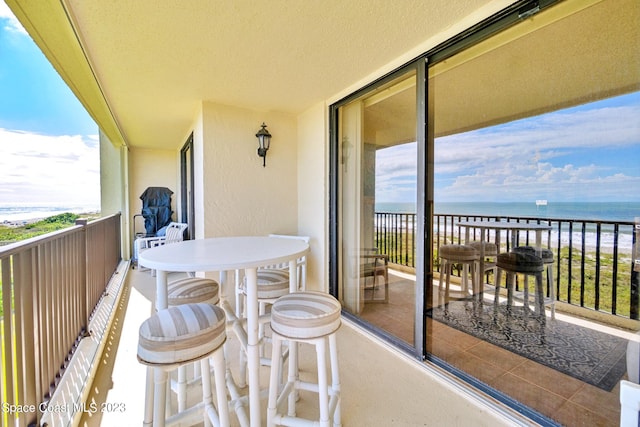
{"x":423,"y":219}
{"x":509,"y":16}
{"x":187,"y":179}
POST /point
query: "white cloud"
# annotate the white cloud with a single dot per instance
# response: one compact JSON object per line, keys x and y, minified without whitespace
{"x":542,"y":137}
{"x":525,"y":160}
{"x":49,"y":170}
{"x":12,"y":23}
{"x":396,"y":170}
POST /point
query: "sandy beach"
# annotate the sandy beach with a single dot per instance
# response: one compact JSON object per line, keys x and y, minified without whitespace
{"x":19,"y":222}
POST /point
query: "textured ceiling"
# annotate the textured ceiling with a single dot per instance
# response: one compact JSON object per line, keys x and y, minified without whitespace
{"x":143,"y":67}
{"x":156,"y":60}
{"x":554,"y":61}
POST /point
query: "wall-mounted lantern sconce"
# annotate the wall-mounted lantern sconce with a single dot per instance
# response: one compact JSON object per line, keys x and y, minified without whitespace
{"x":264,"y":139}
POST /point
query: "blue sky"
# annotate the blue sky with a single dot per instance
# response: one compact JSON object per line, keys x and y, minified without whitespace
{"x":49,"y":152}
{"x":585,"y":153}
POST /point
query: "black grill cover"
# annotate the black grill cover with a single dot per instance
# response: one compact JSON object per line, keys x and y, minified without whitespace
{"x":156,"y":208}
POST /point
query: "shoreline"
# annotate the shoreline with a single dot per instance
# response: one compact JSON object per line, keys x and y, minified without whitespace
{"x":22,"y":222}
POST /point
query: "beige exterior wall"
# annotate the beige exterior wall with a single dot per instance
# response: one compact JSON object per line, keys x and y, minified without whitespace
{"x":313,"y":192}
{"x":112,"y":180}
{"x":234,"y":194}
{"x":152,"y":168}
{"x":198,"y":172}
{"x":113,"y":184}
{"x":240,"y":196}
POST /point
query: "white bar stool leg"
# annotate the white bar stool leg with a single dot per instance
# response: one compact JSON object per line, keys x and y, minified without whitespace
{"x":552,"y":290}
{"x":335,"y":381}
{"x":148,"y":401}
{"x":273,"y":391}
{"x":160,"y":396}
{"x":182,"y":388}
{"x":292,"y":374}
{"x":317,"y":326}
{"x":496,"y":298}
{"x":323,"y":391}
{"x":219,"y":371}
{"x":209,"y":414}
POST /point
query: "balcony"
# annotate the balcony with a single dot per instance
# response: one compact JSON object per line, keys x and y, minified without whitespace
{"x":379,"y":382}
{"x":594,"y":280}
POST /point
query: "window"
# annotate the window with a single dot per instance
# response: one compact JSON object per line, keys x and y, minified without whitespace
{"x":530,"y":120}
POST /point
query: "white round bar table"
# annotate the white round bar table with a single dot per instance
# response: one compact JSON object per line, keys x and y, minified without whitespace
{"x":225,"y":254}
{"x":510,"y":227}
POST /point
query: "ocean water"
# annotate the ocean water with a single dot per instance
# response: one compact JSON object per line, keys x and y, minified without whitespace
{"x":625,"y":212}
{"x":17,"y":214}
{"x":587,"y":211}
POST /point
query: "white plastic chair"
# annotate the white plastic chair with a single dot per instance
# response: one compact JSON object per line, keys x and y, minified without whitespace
{"x":629,"y":403}
{"x":174,"y":233}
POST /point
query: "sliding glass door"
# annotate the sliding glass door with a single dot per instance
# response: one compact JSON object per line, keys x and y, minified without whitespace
{"x":378,"y":176}
{"x":530,"y":121}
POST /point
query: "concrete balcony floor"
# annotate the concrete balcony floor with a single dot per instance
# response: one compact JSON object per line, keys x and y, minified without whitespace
{"x":380,"y":385}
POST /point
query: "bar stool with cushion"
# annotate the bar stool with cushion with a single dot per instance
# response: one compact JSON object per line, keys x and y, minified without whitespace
{"x":273,"y":280}
{"x":457,"y":254}
{"x":490,"y":258}
{"x":313,"y":318}
{"x":527,"y":264}
{"x":190,"y":290}
{"x":180,"y":335}
{"x":272,"y":284}
{"x":547,"y":260}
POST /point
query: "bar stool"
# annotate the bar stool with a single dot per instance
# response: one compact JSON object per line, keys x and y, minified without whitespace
{"x":273,"y":278}
{"x":272,"y":284}
{"x":490,"y":251}
{"x":313,"y":318}
{"x":180,"y":335}
{"x":547,"y":260}
{"x":457,"y":254}
{"x":523,"y":263}
{"x":190,"y":290}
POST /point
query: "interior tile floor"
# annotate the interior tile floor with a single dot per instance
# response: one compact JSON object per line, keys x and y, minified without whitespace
{"x":563,"y":398}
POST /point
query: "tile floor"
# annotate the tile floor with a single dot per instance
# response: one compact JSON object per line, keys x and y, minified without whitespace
{"x":380,"y":385}
{"x":556,"y":395}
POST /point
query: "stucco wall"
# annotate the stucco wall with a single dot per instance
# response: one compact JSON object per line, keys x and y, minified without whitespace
{"x":240,"y":196}
{"x":152,"y":168}
{"x":113,"y":179}
{"x":313,"y":193}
